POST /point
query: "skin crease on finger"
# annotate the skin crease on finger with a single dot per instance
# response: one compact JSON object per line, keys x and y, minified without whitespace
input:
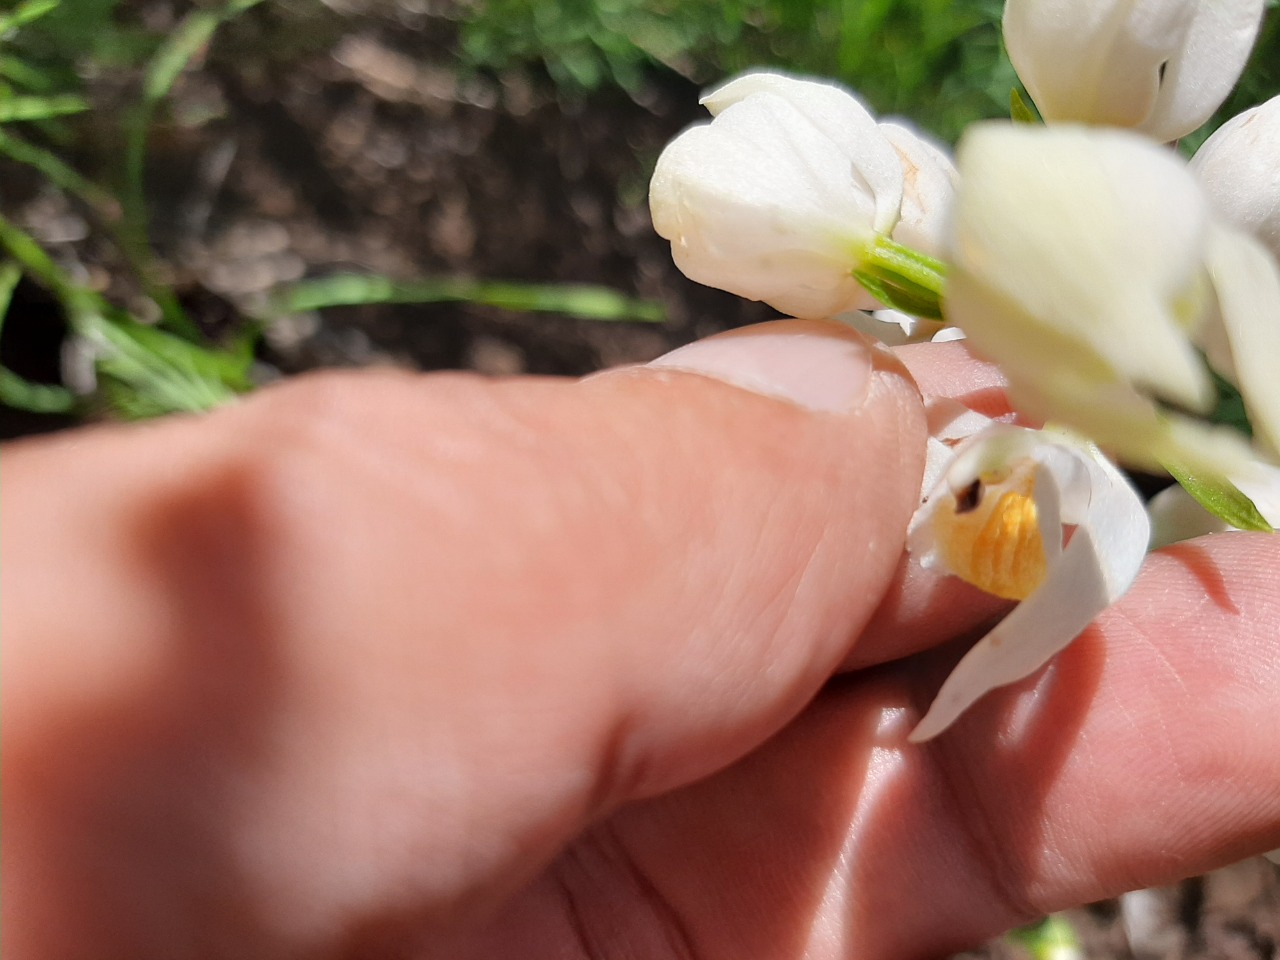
{"x":305,"y":811}
{"x":922,"y":608}
{"x":1144,"y":754}
{"x":259,"y":628}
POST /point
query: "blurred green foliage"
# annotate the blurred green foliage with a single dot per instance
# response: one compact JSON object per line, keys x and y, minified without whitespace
{"x":938,"y":62}
{"x":50,"y":50}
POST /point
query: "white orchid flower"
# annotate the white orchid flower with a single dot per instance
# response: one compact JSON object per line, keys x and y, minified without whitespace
{"x":1159,"y":66}
{"x":1086,"y":263}
{"x":782,"y":196}
{"x":998,"y":518}
{"x":1239,"y":167}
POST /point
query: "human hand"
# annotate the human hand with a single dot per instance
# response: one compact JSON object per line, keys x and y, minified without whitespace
{"x":381,"y":665}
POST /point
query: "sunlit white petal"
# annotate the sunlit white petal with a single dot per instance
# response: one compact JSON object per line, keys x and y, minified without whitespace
{"x":840,"y":116}
{"x":1177,"y":516}
{"x":1246,"y":280}
{"x":1240,"y":169}
{"x":1078,"y":264}
{"x":783,"y":196}
{"x":1075,"y":248}
{"x":761,"y":203}
{"x":1159,"y":66}
{"x":928,"y":189}
{"x":1201,"y":72}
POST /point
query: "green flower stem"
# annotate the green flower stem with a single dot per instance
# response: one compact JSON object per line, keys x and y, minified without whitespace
{"x":903,"y":278}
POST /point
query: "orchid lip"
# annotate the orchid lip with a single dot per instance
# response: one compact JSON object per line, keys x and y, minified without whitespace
{"x":1070,"y":486}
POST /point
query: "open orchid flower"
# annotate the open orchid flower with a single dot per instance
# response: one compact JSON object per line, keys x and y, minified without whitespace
{"x":782,"y":197}
{"x":1239,"y":167}
{"x":1087,"y":264}
{"x":998,"y":517}
{"x":1159,"y":66}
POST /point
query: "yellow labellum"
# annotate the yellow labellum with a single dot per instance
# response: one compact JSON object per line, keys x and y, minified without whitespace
{"x":989,"y":535}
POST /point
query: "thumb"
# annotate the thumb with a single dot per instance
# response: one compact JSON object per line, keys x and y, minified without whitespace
{"x":375,"y":645}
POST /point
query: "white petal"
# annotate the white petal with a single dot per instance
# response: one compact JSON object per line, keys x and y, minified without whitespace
{"x":949,"y":421}
{"x":1096,"y":567}
{"x":1247,"y":282}
{"x":1177,"y":516}
{"x":1240,"y":169}
{"x":1125,"y":423}
{"x":760,"y":203}
{"x":891,"y":327}
{"x":1260,"y":482}
{"x":1159,"y":66}
{"x":1204,"y":68}
{"x":1096,"y":62}
{"x":843,"y":118}
{"x":1075,"y":252}
{"x":929,"y":179}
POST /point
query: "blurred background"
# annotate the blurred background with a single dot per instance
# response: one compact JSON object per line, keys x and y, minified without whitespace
{"x":200,"y":197}
{"x":175,"y":169}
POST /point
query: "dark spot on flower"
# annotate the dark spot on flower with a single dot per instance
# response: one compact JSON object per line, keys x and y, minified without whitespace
{"x":967,"y":500}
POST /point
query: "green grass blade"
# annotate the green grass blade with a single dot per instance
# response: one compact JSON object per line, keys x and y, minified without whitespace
{"x":25,"y":13}
{"x":151,"y":373}
{"x":184,"y":43}
{"x":143,"y":371}
{"x":27,"y":253}
{"x":16,"y":391}
{"x":24,"y":75}
{"x":190,"y":36}
{"x":58,"y":173}
{"x":10,"y":274}
{"x":575,"y":300}
{"x":34,"y":397}
{"x":22,"y":109}
{"x":166,"y":66}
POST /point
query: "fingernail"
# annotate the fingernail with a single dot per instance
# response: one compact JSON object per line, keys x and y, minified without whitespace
{"x":818,"y":366}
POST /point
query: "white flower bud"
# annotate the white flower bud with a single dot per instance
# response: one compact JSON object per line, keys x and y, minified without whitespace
{"x":781,"y":195}
{"x":1240,"y":169}
{"x":1159,"y":66}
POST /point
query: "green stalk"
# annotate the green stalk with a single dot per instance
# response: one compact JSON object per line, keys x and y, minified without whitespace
{"x":195,"y":31}
{"x":903,"y":278}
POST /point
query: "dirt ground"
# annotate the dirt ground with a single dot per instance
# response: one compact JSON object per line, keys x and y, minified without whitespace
{"x":319,"y":138}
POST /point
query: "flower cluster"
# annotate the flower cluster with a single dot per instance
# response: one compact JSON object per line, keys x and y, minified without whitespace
{"x":1131,"y":299}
